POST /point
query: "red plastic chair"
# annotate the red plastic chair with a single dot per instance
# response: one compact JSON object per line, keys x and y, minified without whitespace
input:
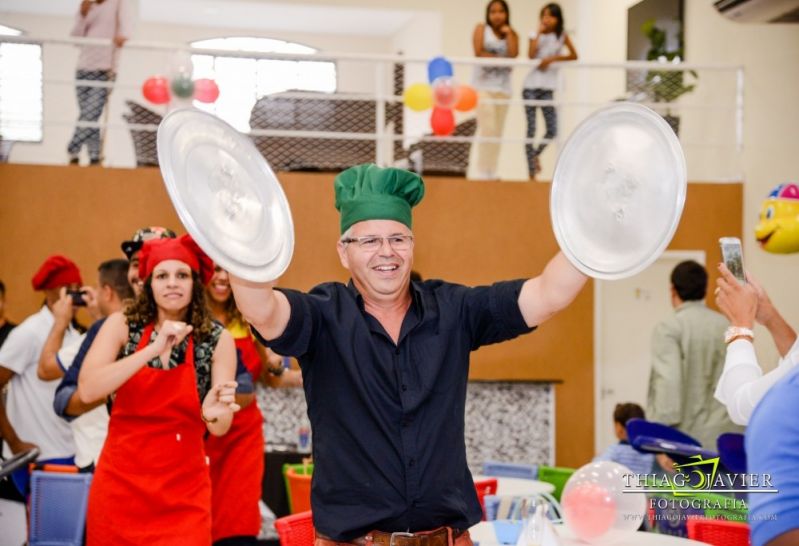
{"x":485,"y":487}
{"x":296,"y":529}
{"x":718,"y":532}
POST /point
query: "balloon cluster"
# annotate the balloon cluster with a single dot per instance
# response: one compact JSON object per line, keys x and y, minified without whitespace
{"x":159,"y":89}
{"x":443,"y":94}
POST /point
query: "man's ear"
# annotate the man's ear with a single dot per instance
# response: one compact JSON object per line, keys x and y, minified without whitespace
{"x":342,"y":254}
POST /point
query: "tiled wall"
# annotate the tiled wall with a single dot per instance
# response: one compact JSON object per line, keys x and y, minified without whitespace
{"x":505,"y":421}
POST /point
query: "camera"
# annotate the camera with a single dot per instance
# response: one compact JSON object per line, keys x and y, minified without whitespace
{"x":77,"y":298}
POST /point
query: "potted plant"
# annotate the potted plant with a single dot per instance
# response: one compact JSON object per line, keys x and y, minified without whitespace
{"x":665,"y":85}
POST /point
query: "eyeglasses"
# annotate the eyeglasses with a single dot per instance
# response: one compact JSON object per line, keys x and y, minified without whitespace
{"x":373,"y":242}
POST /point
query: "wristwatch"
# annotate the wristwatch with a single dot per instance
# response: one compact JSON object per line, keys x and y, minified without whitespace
{"x":733,"y":332}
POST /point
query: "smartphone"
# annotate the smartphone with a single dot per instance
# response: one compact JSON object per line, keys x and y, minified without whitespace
{"x":733,"y":257}
{"x":77,"y":298}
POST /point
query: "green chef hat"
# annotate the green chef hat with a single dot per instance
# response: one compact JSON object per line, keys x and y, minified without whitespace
{"x":369,"y":192}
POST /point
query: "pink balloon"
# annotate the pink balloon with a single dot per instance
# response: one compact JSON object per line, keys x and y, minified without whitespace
{"x":156,"y":90}
{"x":442,"y":121}
{"x":589,"y":509}
{"x":206,"y":90}
{"x":445,"y":92}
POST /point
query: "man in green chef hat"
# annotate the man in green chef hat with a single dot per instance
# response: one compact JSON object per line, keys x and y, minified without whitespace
{"x":385,"y":365}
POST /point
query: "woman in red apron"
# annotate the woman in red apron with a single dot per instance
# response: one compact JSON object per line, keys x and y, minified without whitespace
{"x":237,"y":458}
{"x":161,"y":356}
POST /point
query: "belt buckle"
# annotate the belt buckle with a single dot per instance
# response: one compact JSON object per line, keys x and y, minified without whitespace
{"x":398,"y":534}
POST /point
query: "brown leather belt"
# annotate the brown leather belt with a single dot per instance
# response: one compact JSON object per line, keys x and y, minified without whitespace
{"x":437,"y":537}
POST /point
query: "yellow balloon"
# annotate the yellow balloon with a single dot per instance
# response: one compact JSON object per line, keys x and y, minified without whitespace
{"x":418,"y":97}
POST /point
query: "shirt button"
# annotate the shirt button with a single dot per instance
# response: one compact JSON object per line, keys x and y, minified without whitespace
{"x":410,"y":463}
{"x":404,"y":388}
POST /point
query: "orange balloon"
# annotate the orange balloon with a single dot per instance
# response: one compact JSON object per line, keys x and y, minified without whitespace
{"x":467,"y":98}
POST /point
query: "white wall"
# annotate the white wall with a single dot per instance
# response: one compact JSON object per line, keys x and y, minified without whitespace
{"x":135,"y":66}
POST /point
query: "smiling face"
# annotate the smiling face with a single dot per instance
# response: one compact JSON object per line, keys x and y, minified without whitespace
{"x":219,"y":288}
{"x":778,"y":228}
{"x":382,"y":274}
{"x":172,"y":285}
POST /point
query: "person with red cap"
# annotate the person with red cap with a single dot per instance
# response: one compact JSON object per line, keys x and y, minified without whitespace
{"x":27,"y":419}
{"x":171,"y":368}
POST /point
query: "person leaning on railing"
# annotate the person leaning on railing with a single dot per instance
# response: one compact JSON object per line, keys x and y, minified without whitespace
{"x":109,"y":19}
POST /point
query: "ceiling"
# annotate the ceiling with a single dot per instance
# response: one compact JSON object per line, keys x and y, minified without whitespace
{"x":262,"y":15}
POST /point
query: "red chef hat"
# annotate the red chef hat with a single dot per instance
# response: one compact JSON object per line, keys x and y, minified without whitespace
{"x":184,"y":249}
{"x":55,"y":272}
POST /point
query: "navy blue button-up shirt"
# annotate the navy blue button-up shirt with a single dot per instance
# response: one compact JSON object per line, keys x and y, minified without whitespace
{"x":388,"y":419}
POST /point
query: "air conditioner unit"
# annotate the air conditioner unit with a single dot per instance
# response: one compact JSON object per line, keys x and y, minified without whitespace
{"x":759,"y":11}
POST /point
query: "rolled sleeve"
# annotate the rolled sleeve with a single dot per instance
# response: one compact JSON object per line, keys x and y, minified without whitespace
{"x":296,"y":339}
{"x":493,"y":313}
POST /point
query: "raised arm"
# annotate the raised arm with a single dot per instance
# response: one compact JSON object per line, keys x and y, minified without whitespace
{"x":102,"y":374}
{"x":266,"y":309}
{"x":556,"y":287}
{"x":48,"y":368}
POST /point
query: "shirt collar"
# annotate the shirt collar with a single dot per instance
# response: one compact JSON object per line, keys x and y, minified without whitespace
{"x":688,"y":304}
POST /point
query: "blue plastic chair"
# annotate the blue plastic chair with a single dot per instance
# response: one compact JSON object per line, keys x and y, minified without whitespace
{"x":732,"y":452}
{"x":650,"y":437}
{"x":510,"y":470}
{"x":58,"y":506}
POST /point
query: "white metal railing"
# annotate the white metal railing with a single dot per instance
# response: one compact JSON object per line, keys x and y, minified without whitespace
{"x":711,"y":117}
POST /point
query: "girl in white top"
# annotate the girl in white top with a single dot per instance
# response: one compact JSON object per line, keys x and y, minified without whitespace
{"x":547,"y":45}
{"x":494,"y":38}
{"x":742,"y":383}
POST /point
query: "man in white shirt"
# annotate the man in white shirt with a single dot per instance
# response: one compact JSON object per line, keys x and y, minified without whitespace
{"x":742,"y":384}
{"x":27,"y":419}
{"x":91,"y":427}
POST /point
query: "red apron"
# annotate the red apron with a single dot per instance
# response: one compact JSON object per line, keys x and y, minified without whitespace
{"x":152,"y":484}
{"x":237,"y":463}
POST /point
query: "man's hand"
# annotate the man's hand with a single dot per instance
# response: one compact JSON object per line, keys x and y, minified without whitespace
{"x":89,"y":295}
{"x":737,"y":301}
{"x":63,"y":312}
{"x":85,"y":6}
{"x":119,"y":41}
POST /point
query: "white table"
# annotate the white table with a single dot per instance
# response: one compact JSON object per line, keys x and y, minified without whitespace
{"x":517,"y":487}
{"x":483,"y":533}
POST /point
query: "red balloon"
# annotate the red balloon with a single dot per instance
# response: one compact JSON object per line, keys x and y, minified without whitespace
{"x":442,"y":121}
{"x":156,"y":90}
{"x":206,"y":90}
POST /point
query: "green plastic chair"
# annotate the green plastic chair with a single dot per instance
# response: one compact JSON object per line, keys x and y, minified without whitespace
{"x":557,"y":476}
{"x":298,"y":468}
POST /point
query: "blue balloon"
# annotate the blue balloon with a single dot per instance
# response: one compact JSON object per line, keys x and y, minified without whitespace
{"x":438,"y":67}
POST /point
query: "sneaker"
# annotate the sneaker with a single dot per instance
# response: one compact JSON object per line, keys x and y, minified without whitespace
{"x":94,"y":161}
{"x":73,"y":160}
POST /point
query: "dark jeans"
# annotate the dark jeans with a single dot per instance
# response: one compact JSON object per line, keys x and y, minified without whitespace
{"x":91,"y":101}
{"x":550,"y":119}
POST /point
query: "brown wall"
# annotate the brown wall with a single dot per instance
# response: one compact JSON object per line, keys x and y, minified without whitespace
{"x":467,"y":232}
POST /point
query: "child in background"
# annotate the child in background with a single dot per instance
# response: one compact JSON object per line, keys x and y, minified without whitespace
{"x":494,"y":38}
{"x":540,"y":84}
{"x":623,"y":452}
